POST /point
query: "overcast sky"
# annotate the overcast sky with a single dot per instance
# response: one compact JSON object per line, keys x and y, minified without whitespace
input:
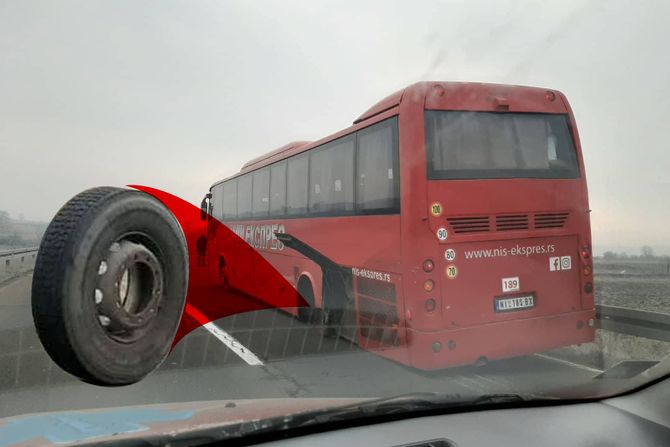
{"x":179,"y":94}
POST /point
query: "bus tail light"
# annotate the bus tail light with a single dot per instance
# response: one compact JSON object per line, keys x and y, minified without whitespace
{"x":587,"y":270}
{"x":551,"y":96}
{"x":588,"y":287}
{"x":428,"y":265}
{"x":586,"y":254}
{"x":429,"y":285}
{"x":430,"y":305}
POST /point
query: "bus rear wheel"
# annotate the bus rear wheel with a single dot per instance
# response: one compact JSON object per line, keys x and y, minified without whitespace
{"x":109,"y":285}
{"x":330,"y":322}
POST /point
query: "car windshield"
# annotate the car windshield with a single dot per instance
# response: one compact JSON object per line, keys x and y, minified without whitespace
{"x":207,"y":205}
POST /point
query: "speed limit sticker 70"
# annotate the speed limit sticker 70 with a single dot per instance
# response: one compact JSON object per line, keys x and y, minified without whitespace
{"x":452,"y":271}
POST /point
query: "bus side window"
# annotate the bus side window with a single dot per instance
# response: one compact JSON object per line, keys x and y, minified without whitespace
{"x":278,"y":189}
{"x":217,"y":202}
{"x":331,"y":177}
{"x":230,"y":199}
{"x":260,"y":205}
{"x":376,"y":184}
{"x":296,"y":188}
{"x":244,"y":196}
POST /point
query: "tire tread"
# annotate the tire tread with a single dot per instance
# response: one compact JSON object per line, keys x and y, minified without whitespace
{"x":47,"y":278}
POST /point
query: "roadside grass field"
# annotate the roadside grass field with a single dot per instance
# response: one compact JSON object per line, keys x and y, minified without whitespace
{"x":634,"y":283}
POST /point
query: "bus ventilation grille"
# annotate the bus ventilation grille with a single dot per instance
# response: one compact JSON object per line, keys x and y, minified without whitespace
{"x":478,"y":224}
{"x":550,"y":220}
{"x":378,"y":314}
{"x":376,"y":289}
{"x":509,"y":222}
{"x":512,"y":222}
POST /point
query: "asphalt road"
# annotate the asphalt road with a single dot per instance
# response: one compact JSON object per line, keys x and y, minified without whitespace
{"x":294,"y":361}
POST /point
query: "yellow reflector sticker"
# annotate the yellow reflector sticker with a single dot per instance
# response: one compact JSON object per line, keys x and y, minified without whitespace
{"x":436,"y":209}
{"x":452,"y":271}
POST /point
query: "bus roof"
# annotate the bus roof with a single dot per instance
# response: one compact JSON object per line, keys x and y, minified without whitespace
{"x":385,"y":104}
{"x":285,"y":148}
{"x":435,"y":94}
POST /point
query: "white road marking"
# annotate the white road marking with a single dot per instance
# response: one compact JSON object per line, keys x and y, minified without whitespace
{"x":470,"y":384}
{"x":493,"y":381}
{"x":233,"y":344}
{"x":224,"y":337}
{"x":569,"y":363}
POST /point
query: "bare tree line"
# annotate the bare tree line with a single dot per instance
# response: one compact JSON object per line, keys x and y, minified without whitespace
{"x":19,"y":233}
{"x":646,"y":252}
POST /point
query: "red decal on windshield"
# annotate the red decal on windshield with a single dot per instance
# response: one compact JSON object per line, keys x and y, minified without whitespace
{"x":220,"y":264}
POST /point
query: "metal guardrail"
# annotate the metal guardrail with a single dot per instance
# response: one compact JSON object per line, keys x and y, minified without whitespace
{"x":639,"y":323}
{"x":622,"y":320}
{"x":16,"y":262}
{"x":271,"y":335}
{"x":17,"y":251}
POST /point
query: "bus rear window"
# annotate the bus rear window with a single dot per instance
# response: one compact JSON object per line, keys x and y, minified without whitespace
{"x":480,"y":145}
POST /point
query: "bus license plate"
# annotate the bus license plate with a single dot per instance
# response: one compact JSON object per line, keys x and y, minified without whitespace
{"x":514,"y":303}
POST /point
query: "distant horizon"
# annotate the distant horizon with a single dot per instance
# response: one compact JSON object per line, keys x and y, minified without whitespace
{"x":660,"y":250}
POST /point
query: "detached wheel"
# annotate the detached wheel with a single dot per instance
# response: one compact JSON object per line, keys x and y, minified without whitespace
{"x":109,"y":285}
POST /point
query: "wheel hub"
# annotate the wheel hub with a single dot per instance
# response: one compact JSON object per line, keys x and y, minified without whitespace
{"x":128,"y":290}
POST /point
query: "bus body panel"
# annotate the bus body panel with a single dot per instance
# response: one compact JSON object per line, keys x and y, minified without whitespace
{"x":488,"y":97}
{"x":369,"y":243}
{"x":503,"y":272}
{"x":441,"y":349}
{"x":506,"y":229}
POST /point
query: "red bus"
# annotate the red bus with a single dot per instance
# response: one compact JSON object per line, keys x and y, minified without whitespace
{"x":451,"y":220}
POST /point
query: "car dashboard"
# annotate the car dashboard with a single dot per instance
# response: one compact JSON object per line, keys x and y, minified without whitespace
{"x":637,"y":419}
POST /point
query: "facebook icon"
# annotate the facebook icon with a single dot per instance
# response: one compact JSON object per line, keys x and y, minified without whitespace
{"x":557,"y":263}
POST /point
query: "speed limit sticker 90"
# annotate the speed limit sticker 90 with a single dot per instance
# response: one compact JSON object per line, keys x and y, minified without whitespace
{"x":450,"y":254}
{"x":442,"y":234}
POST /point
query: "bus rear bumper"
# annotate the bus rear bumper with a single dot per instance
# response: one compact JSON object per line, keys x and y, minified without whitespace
{"x":442,"y":349}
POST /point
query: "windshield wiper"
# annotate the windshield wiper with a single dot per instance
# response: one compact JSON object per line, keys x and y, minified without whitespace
{"x":375,"y":410}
